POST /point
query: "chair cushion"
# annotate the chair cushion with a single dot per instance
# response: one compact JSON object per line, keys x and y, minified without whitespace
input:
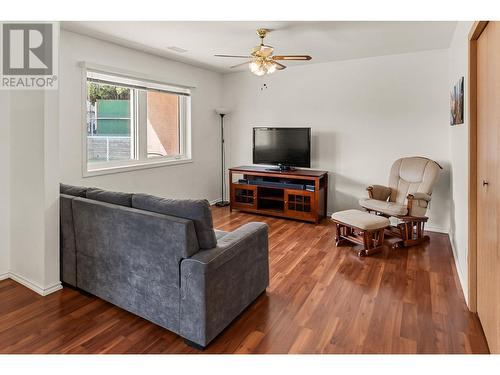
{"x":412,"y":175}
{"x":113,"y":197}
{"x":197,"y":210}
{"x":361,"y":220}
{"x":76,"y":191}
{"x":388,"y":208}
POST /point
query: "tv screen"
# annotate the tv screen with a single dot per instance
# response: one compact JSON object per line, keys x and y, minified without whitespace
{"x":282,"y":146}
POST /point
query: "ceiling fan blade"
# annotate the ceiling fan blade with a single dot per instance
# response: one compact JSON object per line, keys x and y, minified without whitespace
{"x":238,"y":65}
{"x":292,"y":57}
{"x":279,"y":66}
{"x":236,"y":56}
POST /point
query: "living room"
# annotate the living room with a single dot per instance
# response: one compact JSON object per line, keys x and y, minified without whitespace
{"x":217,"y":187}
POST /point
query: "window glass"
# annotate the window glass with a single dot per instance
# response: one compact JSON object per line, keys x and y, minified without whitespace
{"x":163,"y":117}
{"x":109,"y":123}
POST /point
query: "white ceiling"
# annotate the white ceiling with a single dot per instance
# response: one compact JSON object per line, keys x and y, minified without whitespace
{"x":324,"y":41}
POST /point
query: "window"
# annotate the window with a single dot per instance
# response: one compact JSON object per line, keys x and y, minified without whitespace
{"x":134,"y":124}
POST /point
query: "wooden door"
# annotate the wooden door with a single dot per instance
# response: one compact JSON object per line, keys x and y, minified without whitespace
{"x":488,"y":184}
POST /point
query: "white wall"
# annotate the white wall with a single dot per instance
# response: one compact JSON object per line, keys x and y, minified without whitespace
{"x":26,"y":184}
{"x":33,"y":186}
{"x":4,"y":183}
{"x":364,"y":114}
{"x":199,"y":179}
{"x":459,"y":141}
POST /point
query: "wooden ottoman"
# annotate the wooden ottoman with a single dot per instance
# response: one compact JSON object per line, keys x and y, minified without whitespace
{"x":361,"y":228}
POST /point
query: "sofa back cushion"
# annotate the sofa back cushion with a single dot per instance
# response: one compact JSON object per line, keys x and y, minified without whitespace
{"x":76,"y":191}
{"x":197,"y":210}
{"x":131,"y":257}
{"x":113,"y":197}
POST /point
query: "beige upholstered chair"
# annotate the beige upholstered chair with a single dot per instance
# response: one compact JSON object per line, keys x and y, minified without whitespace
{"x":407,"y":197}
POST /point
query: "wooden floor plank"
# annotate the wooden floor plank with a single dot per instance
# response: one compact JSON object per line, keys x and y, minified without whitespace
{"x":321,"y":299}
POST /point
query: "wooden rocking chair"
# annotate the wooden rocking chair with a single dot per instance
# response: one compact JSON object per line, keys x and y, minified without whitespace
{"x":407,"y":197}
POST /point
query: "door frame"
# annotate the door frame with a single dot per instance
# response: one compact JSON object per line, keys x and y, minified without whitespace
{"x":474,"y":33}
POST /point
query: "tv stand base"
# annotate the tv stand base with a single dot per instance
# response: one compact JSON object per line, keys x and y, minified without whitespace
{"x":280,"y":193}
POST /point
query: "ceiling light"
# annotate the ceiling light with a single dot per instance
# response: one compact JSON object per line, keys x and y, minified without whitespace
{"x":262,"y":61}
{"x":270,"y":67}
{"x":254,"y":66}
{"x":262,"y":66}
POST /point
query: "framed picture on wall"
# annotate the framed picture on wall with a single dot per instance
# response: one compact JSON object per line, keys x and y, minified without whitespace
{"x":457,"y":103}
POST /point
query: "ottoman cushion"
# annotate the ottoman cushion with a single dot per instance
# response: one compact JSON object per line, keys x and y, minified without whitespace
{"x":361,"y":220}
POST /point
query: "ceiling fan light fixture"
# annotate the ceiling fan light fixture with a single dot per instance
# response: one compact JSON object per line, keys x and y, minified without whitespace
{"x":254,"y":66}
{"x":263,"y":61}
{"x":260,"y":67}
{"x":270,"y":67}
{"x":260,"y":72}
{"x":257,"y":67}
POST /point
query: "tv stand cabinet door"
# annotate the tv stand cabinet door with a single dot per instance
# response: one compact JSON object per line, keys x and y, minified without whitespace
{"x":243,"y":196}
{"x":300,"y":204}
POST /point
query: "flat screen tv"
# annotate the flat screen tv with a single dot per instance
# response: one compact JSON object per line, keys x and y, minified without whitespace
{"x":284,"y":147}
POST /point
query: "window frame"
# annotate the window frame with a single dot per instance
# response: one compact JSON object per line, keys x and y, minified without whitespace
{"x":139,"y":132}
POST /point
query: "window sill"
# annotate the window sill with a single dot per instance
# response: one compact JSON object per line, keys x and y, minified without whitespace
{"x":133,"y":166}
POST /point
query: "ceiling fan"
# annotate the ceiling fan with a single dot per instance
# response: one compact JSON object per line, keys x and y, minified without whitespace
{"x":262,"y":60}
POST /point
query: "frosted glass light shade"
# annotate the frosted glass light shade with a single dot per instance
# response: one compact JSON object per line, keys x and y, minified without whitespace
{"x":259,"y":67}
{"x":254,"y":66}
{"x":270,"y":67}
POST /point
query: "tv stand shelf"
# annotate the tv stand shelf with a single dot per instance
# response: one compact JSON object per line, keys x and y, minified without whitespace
{"x":280,"y":193}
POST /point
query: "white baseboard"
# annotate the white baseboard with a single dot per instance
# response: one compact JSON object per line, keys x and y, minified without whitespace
{"x":43,"y":291}
{"x":461,"y":277}
{"x":432,"y":228}
{"x":212,"y":202}
{"x":4,"y":276}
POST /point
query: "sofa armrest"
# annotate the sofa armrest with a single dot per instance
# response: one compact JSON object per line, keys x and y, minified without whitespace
{"x":379,"y":192}
{"x":228,"y":247}
{"x":422,"y":196}
{"x":219,"y":283}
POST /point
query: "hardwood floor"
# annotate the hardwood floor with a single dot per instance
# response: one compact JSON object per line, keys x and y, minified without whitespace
{"x":321,"y":299}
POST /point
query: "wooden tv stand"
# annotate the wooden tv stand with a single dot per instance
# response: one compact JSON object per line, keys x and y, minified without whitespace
{"x":281,"y":194}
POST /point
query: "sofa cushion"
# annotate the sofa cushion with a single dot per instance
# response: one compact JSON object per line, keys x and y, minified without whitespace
{"x":197,"y":210}
{"x":76,"y":191}
{"x":113,"y":197}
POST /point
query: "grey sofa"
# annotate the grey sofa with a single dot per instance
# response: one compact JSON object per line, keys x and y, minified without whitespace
{"x":161,"y":259}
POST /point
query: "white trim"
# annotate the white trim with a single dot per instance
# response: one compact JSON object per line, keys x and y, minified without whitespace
{"x":214,"y":201}
{"x":461,"y":277}
{"x":85,"y":65}
{"x":140,"y":83}
{"x":43,"y":291}
{"x":98,"y":169}
{"x":83,"y":105}
{"x":432,"y":228}
{"x":4,"y":276}
{"x":134,"y":167}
